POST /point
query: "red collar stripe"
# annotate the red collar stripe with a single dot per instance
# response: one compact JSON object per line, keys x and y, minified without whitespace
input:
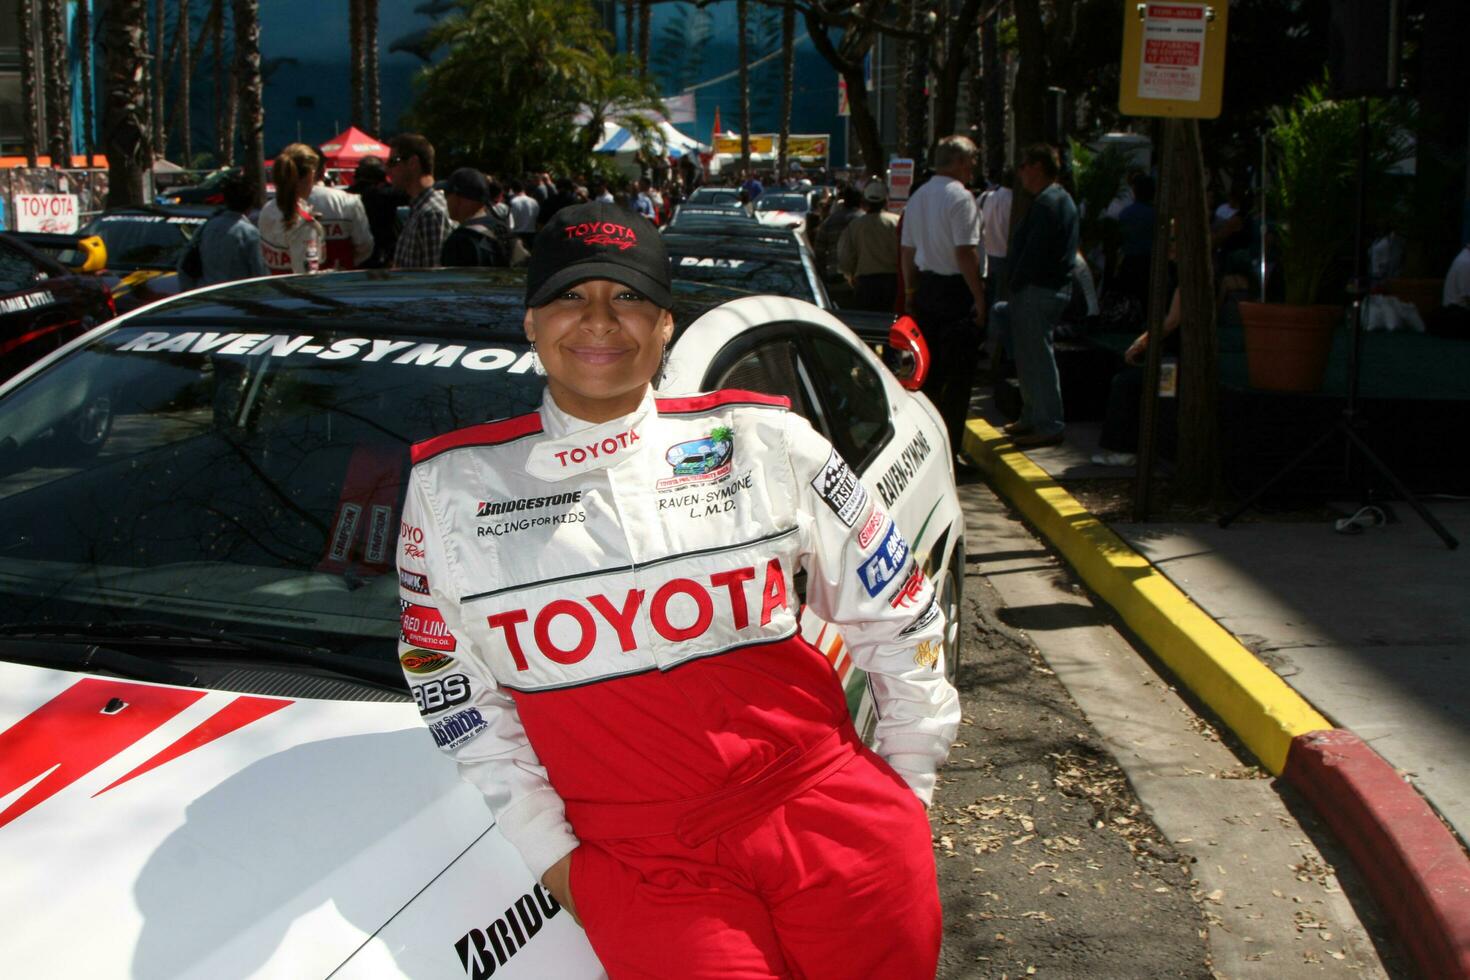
{"x":485,"y":434}
{"x":715,"y":399}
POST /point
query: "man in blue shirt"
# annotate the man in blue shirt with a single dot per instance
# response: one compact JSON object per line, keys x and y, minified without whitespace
{"x":228,"y":246}
{"x":1042,"y":253}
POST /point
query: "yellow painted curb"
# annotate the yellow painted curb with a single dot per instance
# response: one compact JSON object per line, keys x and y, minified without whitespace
{"x":1258,"y":706}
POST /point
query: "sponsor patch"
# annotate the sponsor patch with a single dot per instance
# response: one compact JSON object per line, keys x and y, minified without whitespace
{"x":412,"y":540}
{"x":424,"y":661}
{"x":926,"y":616}
{"x":700,"y":460}
{"x":839,"y":486}
{"x":436,"y":695}
{"x":927,"y":653}
{"x":422,"y":626}
{"x":526,"y":523}
{"x":871,"y":528}
{"x":908,"y":593}
{"x":597,"y":449}
{"x":494,"y":508}
{"x":885,"y":564}
{"x":414,"y":582}
{"x":458,"y":728}
{"x":604,"y":233}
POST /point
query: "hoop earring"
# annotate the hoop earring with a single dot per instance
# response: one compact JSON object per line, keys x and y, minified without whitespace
{"x":663,"y":367}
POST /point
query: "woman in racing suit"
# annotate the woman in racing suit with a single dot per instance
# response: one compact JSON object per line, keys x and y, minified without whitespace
{"x":605,"y":590}
{"x":291,"y":238}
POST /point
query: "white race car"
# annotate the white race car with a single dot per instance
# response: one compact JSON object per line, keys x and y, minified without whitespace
{"x":783,"y":209}
{"x":210,"y":765}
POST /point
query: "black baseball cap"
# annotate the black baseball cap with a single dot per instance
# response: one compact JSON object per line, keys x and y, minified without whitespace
{"x":598,"y":241}
{"x":469,"y":183}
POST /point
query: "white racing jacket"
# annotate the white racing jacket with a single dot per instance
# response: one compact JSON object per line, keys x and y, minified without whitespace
{"x":345,"y":223}
{"x":608,"y":613}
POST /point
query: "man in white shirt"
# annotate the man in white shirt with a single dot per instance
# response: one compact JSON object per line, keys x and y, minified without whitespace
{"x":943,"y":278}
{"x":995,"y":231}
{"x":523,"y":211}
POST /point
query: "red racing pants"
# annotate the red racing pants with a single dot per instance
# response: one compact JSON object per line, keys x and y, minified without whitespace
{"x":821,"y":868}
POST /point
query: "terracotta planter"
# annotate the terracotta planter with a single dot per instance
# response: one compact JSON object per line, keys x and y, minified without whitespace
{"x":1286,"y":346}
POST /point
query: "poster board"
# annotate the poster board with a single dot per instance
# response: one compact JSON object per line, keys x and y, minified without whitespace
{"x":51,"y":213}
{"x":1173,"y":59}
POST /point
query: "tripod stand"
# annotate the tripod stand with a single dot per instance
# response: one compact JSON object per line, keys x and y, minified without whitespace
{"x":1347,"y":425}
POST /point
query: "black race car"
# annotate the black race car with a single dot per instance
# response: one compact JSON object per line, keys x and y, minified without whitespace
{"x":43,"y":303}
{"x":144,"y":244}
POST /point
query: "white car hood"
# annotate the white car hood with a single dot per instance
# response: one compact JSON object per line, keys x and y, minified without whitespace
{"x":155,"y":831}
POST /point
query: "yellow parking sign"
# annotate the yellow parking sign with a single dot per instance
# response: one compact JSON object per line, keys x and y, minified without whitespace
{"x":1173,"y":58}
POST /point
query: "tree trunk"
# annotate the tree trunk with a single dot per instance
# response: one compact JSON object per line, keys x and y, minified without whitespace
{"x":26,"y":15}
{"x":370,"y":45}
{"x":1029,"y":98}
{"x":160,"y":68}
{"x":994,"y":111}
{"x":788,"y":69}
{"x":856,"y":42}
{"x":951,"y":73}
{"x":217,"y":49}
{"x":355,"y":59}
{"x":628,"y":10}
{"x":232,"y":104}
{"x":742,"y":26}
{"x":58,"y":84}
{"x":89,"y":127}
{"x":186,"y":149}
{"x":1197,"y":475}
{"x":645,"y":24}
{"x":247,"y":82}
{"x":124,"y":130}
{"x":903,"y":64}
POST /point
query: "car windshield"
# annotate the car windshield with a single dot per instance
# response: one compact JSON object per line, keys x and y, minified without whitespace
{"x":242,"y":476}
{"x":776,"y":277}
{"x":144,"y":241}
{"x":781,"y":202}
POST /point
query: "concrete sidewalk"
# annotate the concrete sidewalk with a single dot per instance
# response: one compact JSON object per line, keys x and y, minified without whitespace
{"x":1340,"y":661}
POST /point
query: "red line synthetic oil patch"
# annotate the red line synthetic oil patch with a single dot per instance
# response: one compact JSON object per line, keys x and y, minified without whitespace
{"x":422,"y":626}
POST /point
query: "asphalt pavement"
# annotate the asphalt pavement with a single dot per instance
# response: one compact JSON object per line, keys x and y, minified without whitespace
{"x":1091,"y":823}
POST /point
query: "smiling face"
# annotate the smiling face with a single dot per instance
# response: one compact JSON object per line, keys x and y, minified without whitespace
{"x":601,"y":344}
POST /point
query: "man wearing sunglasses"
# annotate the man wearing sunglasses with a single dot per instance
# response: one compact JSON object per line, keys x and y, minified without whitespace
{"x":411,"y":170}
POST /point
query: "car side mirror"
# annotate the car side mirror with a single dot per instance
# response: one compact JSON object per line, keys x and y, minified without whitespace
{"x":907,"y":346}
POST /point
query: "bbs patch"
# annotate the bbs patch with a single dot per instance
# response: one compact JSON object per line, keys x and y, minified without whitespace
{"x":839,"y":486}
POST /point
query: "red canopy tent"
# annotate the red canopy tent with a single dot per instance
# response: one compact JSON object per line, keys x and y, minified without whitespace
{"x":346,"y":149}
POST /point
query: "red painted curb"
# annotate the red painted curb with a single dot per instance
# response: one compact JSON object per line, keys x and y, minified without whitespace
{"x":1416,"y":868}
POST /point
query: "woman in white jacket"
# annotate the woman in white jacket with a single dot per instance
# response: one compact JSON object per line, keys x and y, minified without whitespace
{"x":291,"y":239}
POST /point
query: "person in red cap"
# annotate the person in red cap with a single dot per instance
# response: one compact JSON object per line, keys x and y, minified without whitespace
{"x":607,"y":587}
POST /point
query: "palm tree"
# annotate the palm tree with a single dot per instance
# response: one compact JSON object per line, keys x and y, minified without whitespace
{"x":160,"y":131}
{"x":26,"y":13}
{"x":356,"y":58}
{"x":645,"y":23}
{"x":788,"y":68}
{"x":58,"y":84}
{"x":370,"y":45}
{"x":84,"y":31}
{"x":744,"y":55}
{"x":186,"y":154}
{"x":124,"y":131}
{"x":247,"y":83}
{"x":628,"y":6}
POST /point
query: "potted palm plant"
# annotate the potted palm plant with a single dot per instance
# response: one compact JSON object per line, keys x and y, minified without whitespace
{"x":1314,"y":200}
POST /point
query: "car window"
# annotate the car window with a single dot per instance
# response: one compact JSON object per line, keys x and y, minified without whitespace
{"x":17,"y":271}
{"x":770,"y":369}
{"x":136,"y":241}
{"x":246,"y":478}
{"x":854,"y":398}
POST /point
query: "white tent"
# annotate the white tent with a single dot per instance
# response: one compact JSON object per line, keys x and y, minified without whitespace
{"x":623,"y":146}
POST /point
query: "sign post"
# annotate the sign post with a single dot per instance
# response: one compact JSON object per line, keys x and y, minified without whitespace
{"x":1173,"y":66}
